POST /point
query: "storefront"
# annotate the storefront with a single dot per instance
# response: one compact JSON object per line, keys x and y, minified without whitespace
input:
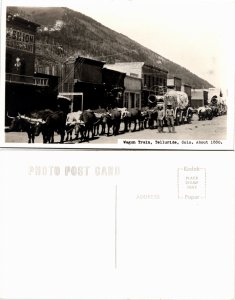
{"x":83,"y":75}
{"x":24,"y":92}
{"x":132,"y":94}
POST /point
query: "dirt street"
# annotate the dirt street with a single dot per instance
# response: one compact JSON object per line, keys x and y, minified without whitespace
{"x":216,"y":129}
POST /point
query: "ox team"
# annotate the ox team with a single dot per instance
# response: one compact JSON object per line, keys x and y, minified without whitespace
{"x":169,"y":110}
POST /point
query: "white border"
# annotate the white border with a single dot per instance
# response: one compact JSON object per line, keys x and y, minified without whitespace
{"x":227,"y":144}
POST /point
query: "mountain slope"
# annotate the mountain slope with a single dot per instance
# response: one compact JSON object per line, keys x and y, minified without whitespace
{"x":82,"y":35}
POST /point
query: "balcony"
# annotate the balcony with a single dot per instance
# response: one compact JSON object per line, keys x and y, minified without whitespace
{"x":29,"y":80}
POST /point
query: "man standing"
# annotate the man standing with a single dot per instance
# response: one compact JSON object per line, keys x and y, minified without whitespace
{"x":170,"y":114}
{"x":160,"y":117}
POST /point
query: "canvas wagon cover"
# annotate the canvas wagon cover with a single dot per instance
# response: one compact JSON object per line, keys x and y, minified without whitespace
{"x":176,"y":99}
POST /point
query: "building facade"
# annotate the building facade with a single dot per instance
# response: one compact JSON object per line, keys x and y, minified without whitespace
{"x":153,"y":79}
{"x":199,"y":98}
{"x":83,"y":75}
{"x":113,"y":82}
{"x":24,"y":91}
{"x":132,"y":93}
{"x":174,"y":83}
{"x":188,"y":90}
{"x":20,"y":46}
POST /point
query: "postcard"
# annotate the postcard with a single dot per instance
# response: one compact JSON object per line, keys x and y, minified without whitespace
{"x":74,"y":77}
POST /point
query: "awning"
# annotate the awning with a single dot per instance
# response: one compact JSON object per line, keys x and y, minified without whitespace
{"x":64,"y":98}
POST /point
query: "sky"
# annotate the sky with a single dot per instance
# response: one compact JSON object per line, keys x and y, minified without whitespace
{"x":193,"y":34}
{"x":197,"y":34}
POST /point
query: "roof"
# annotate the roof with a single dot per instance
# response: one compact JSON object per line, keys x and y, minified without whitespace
{"x":197,"y":93}
{"x":112,"y":71}
{"x":133,"y":77}
{"x":177,"y":78}
{"x":90,"y":61}
{"x":197,"y":90}
{"x":185,"y":84}
{"x":140,"y":64}
{"x":17,"y":19}
{"x":172,"y":78}
{"x":156,"y":68}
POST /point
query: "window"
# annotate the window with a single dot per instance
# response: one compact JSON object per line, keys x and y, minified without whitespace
{"x":137,"y":100}
{"x":47,"y":70}
{"x":8,"y":63}
{"x":132,"y":100}
{"x":152,"y":84}
{"x":154,"y":81}
{"x":23,"y":68}
{"x":125,"y":100}
{"x":145,"y":80}
{"x":133,"y":74}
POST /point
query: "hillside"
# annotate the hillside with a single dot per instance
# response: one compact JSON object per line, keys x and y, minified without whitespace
{"x":65,"y":32}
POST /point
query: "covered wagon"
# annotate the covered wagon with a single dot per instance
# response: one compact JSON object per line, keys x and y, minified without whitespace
{"x":180,"y":104}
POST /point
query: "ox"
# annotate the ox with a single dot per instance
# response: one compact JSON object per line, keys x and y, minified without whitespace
{"x":205,"y":113}
{"x":99,"y":121}
{"x":73,"y":122}
{"x":90,"y":121}
{"x":113,"y":120}
{"x":29,"y":124}
{"x":152,"y":117}
{"x":215,"y":110}
{"x":52,"y":122}
{"x":187,"y":115}
{"x":132,"y":115}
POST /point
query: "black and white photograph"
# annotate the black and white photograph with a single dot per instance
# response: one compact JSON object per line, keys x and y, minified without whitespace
{"x":122,"y":74}
{"x":117,"y":149}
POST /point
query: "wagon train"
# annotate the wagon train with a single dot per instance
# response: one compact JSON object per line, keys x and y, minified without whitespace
{"x":82,"y":126}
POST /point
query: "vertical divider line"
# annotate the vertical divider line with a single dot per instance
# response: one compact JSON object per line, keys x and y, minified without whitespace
{"x":115,"y":229}
{"x":178,"y":182}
